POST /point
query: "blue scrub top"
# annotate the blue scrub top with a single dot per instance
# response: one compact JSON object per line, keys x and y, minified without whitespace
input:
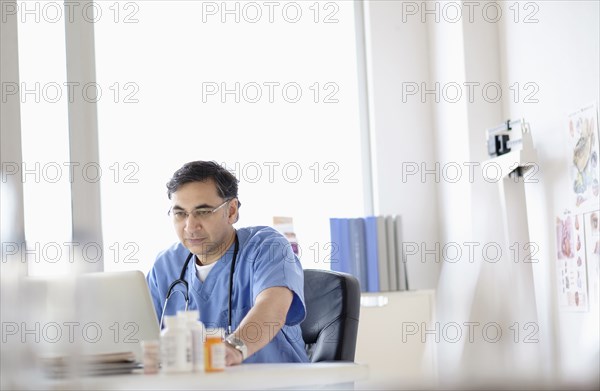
{"x":265,"y":259}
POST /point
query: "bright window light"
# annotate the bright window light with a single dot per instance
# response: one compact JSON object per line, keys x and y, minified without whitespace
{"x":267,"y":88}
{"x":45,"y":167}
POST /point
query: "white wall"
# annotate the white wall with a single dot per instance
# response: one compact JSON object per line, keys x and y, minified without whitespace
{"x":559,"y":53}
{"x":402,"y":132}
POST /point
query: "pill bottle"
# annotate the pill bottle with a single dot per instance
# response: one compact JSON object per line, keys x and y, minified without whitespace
{"x":196,"y":330}
{"x":175,"y":346}
{"x":150,"y":356}
{"x":214,"y":350}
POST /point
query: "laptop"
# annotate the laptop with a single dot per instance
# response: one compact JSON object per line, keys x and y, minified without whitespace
{"x":94,"y":315}
{"x":116,"y":312}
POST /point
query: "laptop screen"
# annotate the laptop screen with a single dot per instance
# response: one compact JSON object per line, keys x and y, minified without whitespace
{"x":92,"y":314}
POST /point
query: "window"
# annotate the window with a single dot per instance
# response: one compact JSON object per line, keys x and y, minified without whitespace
{"x":268,"y":90}
{"x":45,"y":167}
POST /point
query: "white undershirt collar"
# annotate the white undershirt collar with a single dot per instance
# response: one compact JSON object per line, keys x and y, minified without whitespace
{"x":202,"y":271}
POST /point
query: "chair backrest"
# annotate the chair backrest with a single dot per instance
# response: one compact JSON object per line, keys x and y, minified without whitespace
{"x":332,"y":309}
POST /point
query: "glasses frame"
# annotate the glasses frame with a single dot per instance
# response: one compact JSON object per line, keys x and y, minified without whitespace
{"x":187,"y":214}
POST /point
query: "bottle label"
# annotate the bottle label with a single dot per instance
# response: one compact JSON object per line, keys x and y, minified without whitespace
{"x":218,"y":355}
{"x":176,"y":352}
{"x":168,"y":353}
{"x":198,"y":350}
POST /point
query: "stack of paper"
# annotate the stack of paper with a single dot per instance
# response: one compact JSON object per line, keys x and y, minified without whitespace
{"x":98,"y":364}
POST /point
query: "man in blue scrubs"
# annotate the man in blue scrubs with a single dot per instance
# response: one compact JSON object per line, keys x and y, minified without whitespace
{"x":267,"y":298}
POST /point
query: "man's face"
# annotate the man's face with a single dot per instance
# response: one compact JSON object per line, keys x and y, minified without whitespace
{"x":201,"y":231}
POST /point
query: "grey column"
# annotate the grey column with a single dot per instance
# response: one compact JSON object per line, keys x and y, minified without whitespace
{"x":83,"y":136}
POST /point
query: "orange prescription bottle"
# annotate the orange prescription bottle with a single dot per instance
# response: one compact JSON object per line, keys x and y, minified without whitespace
{"x":214,"y":350}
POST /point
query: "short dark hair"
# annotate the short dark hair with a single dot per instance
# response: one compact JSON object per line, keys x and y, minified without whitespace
{"x":201,"y":171}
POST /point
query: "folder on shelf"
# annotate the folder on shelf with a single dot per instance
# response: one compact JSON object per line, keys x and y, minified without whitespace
{"x":384,"y":284}
{"x":391,"y":247}
{"x":372,"y":254}
{"x":400,"y":258}
{"x":340,"y":251}
{"x":370,"y":249}
{"x":358,"y":253}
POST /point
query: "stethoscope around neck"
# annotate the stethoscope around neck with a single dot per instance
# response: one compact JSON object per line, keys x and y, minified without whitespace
{"x":186,"y":293}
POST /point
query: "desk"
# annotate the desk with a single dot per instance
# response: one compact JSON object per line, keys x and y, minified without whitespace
{"x":402,"y":355}
{"x":247,"y":376}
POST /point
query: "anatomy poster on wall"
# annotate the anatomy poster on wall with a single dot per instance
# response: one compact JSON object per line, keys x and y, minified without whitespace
{"x":571,"y":263}
{"x":583,"y":163}
{"x":592,"y":241}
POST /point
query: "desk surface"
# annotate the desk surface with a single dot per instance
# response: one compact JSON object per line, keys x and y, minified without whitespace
{"x":247,"y":376}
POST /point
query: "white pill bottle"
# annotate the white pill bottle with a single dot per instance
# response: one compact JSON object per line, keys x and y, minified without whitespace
{"x":197,"y":333}
{"x":175,"y":346}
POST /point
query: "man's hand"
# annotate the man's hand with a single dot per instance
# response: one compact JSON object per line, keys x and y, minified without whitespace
{"x":232,"y":355}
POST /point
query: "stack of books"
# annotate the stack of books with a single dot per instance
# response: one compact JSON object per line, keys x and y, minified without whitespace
{"x":90,"y":365}
{"x":370,"y":248}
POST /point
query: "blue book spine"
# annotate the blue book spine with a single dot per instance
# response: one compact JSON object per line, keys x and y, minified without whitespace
{"x":358,"y":254}
{"x":340,"y":245}
{"x":372,"y":254}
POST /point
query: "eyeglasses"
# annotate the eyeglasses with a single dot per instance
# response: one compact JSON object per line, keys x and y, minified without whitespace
{"x":180,"y":215}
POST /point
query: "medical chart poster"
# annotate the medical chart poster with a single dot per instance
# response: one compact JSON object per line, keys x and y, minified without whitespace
{"x":592,"y":241}
{"x":571,"y":263}
{"x":583,"y":146}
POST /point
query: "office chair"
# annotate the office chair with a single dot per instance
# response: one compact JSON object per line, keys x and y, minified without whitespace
{"x":332,"y":308}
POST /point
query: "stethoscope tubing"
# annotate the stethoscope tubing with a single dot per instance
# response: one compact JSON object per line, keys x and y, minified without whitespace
{"x":186,"y":295}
